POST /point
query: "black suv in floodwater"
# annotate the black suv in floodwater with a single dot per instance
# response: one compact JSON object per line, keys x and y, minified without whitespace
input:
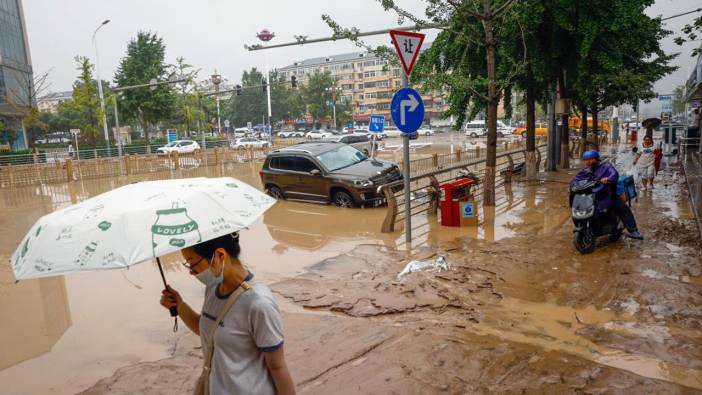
{"x":327,"y":172}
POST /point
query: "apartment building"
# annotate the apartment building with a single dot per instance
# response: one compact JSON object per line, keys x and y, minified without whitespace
{"x":50,"y":103}
{"x":364,"y":80}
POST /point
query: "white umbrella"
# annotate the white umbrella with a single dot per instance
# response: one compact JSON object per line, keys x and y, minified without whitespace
{"x":135,"y":223}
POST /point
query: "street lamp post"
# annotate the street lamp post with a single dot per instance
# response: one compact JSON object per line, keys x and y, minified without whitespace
{"x":216,"y":80}
{"x":333,"y":92}
{"x":102,"y":97}
{"x":265,"y":35}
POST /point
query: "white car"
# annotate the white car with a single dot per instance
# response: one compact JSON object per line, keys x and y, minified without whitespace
{"x":347,"y":130}
{"x":425,"y":132}
{"x":248,"y":142}
{"x":180,"y":146}
{"x":392,"y":132}
{"x":475,"y":129}
{"x":241,"y":132}
{"x":291,"y":133}
{"x":319,"y":134}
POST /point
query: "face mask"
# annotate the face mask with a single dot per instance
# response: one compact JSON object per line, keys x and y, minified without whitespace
{"x":220,"y":277}
{"x":206,"y":277}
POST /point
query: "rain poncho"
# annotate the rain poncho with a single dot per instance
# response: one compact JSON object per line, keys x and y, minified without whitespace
{"x":604,"y":192}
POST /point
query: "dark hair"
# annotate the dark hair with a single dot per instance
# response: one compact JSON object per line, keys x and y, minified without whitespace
{"x":229,"y":242}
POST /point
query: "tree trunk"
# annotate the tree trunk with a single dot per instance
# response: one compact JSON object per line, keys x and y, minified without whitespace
{"x":491,"y":151}
{"x":595,"y":123}
{"x":530,"y":127}
{"x":145,"y":126}
{"x":583,"y":123}
{"x":565,"y":133}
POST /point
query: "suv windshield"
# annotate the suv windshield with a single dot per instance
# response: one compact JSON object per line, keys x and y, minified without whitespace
{"x":341,"y":157}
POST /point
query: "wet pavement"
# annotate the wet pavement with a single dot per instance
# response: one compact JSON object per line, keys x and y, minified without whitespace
{"x":519,"y":311}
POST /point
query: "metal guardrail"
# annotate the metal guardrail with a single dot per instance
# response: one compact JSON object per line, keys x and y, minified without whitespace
{"x":430,"y":182}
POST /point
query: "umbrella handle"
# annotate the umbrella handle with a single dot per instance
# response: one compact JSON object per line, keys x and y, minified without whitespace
{"x":173,"y":309}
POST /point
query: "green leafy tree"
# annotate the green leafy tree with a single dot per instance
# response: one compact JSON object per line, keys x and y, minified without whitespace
{"x":620,"y":56}
{"x":318,"y":94}
{"x":251,"y":104}
{"x":691,"y":32}
{"x":188,"y":113}
{"x":85,"y":105}
{"x":145,"y":61}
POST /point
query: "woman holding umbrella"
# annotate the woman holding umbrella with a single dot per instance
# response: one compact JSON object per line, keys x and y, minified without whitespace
{"x":246,"y":352}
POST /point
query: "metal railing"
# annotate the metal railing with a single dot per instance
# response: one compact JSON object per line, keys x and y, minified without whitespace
{"x":60,"y":165}
{"x":426,"y":185}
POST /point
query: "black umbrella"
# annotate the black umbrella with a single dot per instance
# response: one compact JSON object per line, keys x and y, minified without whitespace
{"x":651,"y":123}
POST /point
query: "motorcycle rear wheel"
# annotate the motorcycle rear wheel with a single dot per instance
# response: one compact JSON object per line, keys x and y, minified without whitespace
{"x":584,"y":242}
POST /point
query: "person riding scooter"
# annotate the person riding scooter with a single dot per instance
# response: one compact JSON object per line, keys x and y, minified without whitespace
{"x":607,"y":176}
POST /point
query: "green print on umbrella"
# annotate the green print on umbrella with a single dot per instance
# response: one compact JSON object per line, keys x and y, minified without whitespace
{"x":25,"y":248}
{"x":172,"y":227}
{"x":86,"y":254}
{"x":104,"y":225}
{"x":38,"y":231}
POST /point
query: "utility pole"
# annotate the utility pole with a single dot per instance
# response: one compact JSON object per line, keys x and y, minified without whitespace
{"x":216,"y":80}
{"x":102,"y":97}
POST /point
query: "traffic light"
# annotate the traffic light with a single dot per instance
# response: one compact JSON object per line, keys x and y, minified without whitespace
{"x":293,"y":81}
{"x":264,"y":85}
{"x":238,"y":90}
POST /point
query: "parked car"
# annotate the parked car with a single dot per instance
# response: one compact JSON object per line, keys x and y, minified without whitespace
{"x":425,"y":132}
{"x":475,"y":129}
{"x":347,"y":130}
{"x":242,"y":132}
{"x":326,"y":172}
{"x":541,"y":130}
{"x":249,"y":142}
{"x":180,"y":146}
{"x":291,"y":133}
{"x":392,"y":132}
{"x":361,"y":143}
{"x":366,"y":132}
{"x":478,"y":128}
{"x":319,"y":134}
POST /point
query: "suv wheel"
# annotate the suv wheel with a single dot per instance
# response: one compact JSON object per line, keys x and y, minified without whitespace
{"x":524,"y":134}
{"x":342,"y":199}
{"x":275,"y":192}
{"x":473,"y":135}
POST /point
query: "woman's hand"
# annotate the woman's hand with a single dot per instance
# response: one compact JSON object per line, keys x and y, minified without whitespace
{"x":170,"y":298}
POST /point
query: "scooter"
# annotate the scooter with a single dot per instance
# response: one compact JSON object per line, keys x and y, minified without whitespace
{"x":590,"y":223}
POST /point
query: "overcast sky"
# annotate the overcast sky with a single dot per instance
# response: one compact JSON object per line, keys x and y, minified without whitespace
{"x":211,"y":34}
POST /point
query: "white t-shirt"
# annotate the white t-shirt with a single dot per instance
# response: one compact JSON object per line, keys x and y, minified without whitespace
{"x":251,"y":327}
{"x":647,"y":157}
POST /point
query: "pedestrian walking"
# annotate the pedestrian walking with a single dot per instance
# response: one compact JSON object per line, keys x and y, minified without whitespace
{"x":240,"y":327}
{"x":645,"y":162}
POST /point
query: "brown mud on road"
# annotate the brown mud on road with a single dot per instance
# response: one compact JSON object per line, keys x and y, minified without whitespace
{"x":524,"y":314}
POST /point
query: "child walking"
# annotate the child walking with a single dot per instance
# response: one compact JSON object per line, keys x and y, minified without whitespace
{"x":645,"y":162}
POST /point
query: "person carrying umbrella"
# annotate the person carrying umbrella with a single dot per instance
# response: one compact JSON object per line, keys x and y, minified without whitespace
{"x":245,"y":351}
{"x":239,"y":325}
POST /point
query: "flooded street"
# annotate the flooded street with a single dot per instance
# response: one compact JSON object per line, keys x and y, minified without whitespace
{"x":519,"y":310}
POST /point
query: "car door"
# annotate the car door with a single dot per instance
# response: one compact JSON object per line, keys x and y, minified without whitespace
{"x":311,"y":187}
{"x":284,"y":175}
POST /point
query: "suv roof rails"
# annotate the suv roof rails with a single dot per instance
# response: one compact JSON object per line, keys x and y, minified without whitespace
{"x":291,"y":149}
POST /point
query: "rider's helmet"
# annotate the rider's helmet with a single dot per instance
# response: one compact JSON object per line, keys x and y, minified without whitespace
{"x":591,"y":154}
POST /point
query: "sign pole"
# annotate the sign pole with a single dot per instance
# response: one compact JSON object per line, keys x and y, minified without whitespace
{"x":407,"y":111}
{"x":406,"y":177}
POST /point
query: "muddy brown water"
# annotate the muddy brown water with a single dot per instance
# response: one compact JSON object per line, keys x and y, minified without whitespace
{"x":61,"y":335}
{"x":76,"y":329}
